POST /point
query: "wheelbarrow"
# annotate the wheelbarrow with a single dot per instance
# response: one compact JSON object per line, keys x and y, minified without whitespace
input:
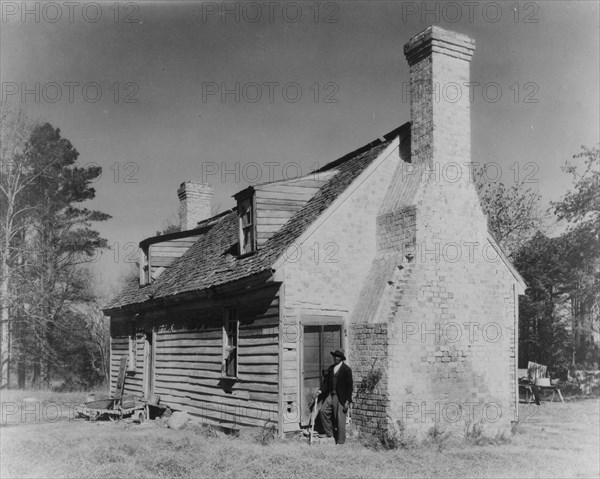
{"x":118,"y":407}
{"x":113,"y":410}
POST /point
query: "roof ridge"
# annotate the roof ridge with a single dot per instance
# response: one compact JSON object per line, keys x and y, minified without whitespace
{"x":348,"y":156}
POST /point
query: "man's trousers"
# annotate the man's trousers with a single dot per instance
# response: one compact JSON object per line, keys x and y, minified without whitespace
{"x":333,"y":418}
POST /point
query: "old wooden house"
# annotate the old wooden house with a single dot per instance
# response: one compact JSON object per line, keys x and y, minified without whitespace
{"x":383,"y":252}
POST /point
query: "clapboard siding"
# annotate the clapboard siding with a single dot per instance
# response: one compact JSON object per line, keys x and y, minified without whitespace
{"x":189,"y":355}
{"x":234,"y":414}
{"x":264,"y":214}
{"x":290,"y":385}
{"x":267,"y":193}
{"x":133,"y":380}
{"x":164,"y":253}
{"x":215,"y":376}
{"x":277,"y":202}
{"x":189,"y":389}
{"x":183,"y":376}
{"x":162,"y":262}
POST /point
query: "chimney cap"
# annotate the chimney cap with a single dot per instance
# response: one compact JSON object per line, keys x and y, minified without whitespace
{"x":194,"y":184}
{"x":195,"y":200}
{"x":191,"y":187}
{"x":437,"y":40}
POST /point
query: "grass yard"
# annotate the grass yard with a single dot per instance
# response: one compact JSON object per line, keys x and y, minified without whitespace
{"x":556,"y":440}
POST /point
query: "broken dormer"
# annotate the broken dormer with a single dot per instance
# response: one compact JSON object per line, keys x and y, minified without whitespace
{"x":263,"y":209}
{"x":158,"y":252}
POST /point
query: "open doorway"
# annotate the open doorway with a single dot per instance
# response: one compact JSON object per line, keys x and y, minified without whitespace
{"x":318,"y":342}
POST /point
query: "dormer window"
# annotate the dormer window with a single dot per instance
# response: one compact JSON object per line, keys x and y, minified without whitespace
{"x":144,"y":265}
{"x":247,"y":224}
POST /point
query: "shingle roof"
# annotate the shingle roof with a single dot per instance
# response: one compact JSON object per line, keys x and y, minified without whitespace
{"x":212,"y":260}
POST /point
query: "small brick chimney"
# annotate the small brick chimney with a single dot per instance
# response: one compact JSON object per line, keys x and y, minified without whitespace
{"x":195,"y":200}
{"x":439,"y":97}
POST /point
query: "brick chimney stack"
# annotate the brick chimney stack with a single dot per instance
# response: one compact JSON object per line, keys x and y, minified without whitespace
{"x":195,"y":200}
{"x":439,"y":97}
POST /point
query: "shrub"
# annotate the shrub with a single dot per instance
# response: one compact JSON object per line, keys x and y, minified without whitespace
{"x":267,"y":434}
{"x":436,"y":436}
{"x":391,"y":437}
{"x":474,"y":432}
{"x":371,"y":380}
{"x":474,"y":435}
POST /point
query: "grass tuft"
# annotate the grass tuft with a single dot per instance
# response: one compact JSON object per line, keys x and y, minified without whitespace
{"x":268,"y":434}
{"x":474,"y":435}
{"x":437,"y":437}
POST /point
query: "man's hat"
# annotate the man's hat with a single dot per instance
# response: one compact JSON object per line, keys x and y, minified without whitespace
{"x":339,"y":353}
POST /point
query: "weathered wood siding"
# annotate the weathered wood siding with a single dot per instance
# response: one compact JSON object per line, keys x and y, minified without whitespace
{"x":188,"y":360}
{"x":291,"y":399}
{"x":161,"y":255}
{"x":133,"y":381}
{"x":277,"y":202}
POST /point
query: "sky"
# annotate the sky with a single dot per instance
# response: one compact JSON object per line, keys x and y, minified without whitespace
{"x":237,"y":93}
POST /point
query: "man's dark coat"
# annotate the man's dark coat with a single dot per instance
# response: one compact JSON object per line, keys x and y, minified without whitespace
{"x":344,"y":383}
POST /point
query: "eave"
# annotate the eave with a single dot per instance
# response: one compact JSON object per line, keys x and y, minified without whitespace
{"x":265,"y":277}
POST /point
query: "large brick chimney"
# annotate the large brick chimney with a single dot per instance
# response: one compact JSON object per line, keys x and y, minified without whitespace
{"x":444,"y":330}
{"x":195,"y":201}
{"x":439,"y":97}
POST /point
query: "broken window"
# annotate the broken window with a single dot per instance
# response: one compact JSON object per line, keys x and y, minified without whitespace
{"x":246,"y":222}
{"x":230,"y":343}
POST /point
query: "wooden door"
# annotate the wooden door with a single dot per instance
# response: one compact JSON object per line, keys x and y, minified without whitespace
{"x":318,"y":340}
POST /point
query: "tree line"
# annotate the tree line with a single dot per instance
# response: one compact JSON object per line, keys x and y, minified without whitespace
{"x":559,"y":315}
{"x":51,"y":323}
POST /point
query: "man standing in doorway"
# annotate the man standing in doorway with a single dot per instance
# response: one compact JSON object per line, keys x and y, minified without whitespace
{"x":336,"y":394}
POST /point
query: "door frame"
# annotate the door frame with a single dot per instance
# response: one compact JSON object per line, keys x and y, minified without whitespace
{"x":149,"y":363}
{"x":316,"y":320}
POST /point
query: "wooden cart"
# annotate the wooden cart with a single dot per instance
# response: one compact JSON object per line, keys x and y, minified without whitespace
{"x":117,"y":408}
{"x":107,"y":408}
